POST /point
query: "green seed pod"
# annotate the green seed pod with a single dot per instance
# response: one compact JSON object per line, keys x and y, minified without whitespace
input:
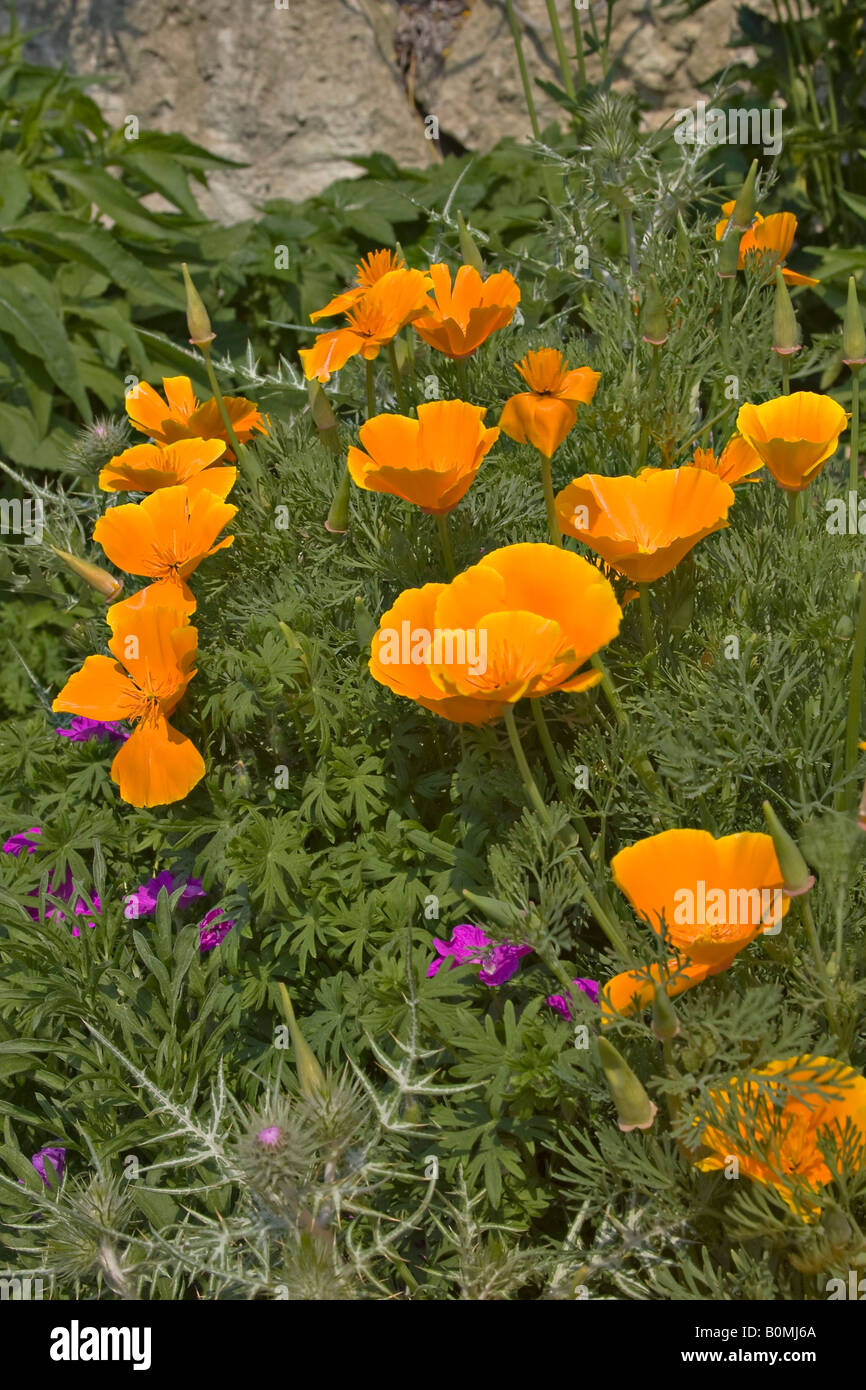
{"x":633,"y":1105}
{"x":796,"y":878}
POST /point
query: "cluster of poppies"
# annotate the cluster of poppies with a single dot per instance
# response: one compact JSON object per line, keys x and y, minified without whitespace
{"x":186,"y":474}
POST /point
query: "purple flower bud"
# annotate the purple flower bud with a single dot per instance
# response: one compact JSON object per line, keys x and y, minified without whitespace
{"x":269,"y":1136}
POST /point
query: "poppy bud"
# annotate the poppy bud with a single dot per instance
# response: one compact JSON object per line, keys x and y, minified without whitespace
{"x":365,"y":624}
{"x":499,"y":913}
{"x":786,"y":334}
{"x":728,"y":261}
{"x":665,"y":1023}
{"x":654,"y":321}
{"x":844,"y":629}
{"x":310,"y":1074}
{"x":746,"y":205}
{"x":853,"y":336}
{"x":197,"y":320}
{"x":97,"y":578}
{"x":633,"y":1105}
{"x":796,"y":878}
{"x":337,"y":520}
{"x":468,"y":250}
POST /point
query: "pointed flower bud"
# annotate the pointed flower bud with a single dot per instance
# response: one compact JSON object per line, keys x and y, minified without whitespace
{"x":337,"y":520}
{"x":654,"y":320}
{"x":853,"y":336}
{"x":97,"y":578}
{"x":728,"y":261}
{"x":197,"y":319}
{"x":633,"y":1105}
{"x":796,"y":878}
{"x":310,"y":1074}
{"x":665,"y":1023}
{"x":746,"y":205}
{"x":786,"y":334}
{"x":468,"y":250}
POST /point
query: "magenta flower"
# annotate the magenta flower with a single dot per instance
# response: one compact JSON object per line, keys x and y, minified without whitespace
{"x":57,"y":1159}
{"x":82,"y":730}
{"x":23,"y":840}
{"x":498,"y":962}
{"x":586,"y":986}
{"x":142,"y":902}
{"x":270,"y":1136}
{"x":211,"y":930}
{"x":64,"y":891}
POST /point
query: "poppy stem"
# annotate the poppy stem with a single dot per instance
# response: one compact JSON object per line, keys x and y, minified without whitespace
{"x":402,"y":404}
{"x":445,"y":539}
{"x":521,"y":63}
{"x":812,"y":933}
{"x":794,"y":510}
{"x":247,"y":461}
{"x":559,"y":41}
{"x":727,"y":303}
{"x":337,"y":520}
{"x":646,"y":623}
{"x":643,"y":768}
{"x":854,"y":460}
{"x":370,"y":383}
{"x":555,"y":762}
{"x":855,"y":693}
{"x":786,"y":375}
{"x":609,"y":927}
{"x":549,"y":500}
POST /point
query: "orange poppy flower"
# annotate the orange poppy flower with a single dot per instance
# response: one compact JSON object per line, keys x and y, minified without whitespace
{"x":543,"y":415}
{"x":794,"y":435}
{"x":165,"y":537}
{"x":520,"y":622}
{"x":154,"y":647}
{"x":180,"y":416}
{"x":708,"y":898}
{"x":771,"y":237}
{"x":644,"y":526}
{"x":733,"y":465}
{"x":370,"y":269}
{"x":780,"y":1130}
{"x":431,"y":461}
{"x":147,"y":467}
{"x":463,"y":317}
{"x":634,"y":990}
{"x":395,"y":300}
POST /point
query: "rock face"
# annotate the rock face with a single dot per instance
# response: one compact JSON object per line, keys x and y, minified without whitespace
{"x":295,"y":88}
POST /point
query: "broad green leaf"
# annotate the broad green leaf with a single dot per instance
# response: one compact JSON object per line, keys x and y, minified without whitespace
{"x":25,"y":317}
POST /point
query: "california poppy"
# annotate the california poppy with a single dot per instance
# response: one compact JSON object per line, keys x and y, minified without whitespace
{"x":147,"y":467}
{"x":463,"y":317}
{"x":165,"y":537}
{"x":771,"y":237}
{"x":794,"y":435}
{"x":154,"y":647}
{"x":374,"y":321}
{"x":522,"y":622}
{"x":180,"y":416}
{"x":644,"y":526}
{"x":543,"y":415}
{"x":431,"y":461}
{"x":782,"y":1123}
{"x":708,"y":898}
{"x":370,"y":269}
{"x":737,"y":460}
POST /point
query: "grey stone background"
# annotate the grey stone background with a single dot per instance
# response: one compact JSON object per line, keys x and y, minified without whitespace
{"x":293,"y":91}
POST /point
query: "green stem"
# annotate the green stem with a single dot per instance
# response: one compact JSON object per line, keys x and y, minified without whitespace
{"x":643,"y":768}
{"x":652,"y":383}
{"x":402,"y":405}
{"x":555,"y":763}
{"x":795,"y":510}
{"x":646,"y":622}
{"x":247,"y":461}
{"x":812,"y":933}
{"x":855,"y":696}
{"x":445,"y":540}
{"x":558,"y":39}
{"x":370,"y":383}
{"x":609,"y":928}
{"x":549,"y":500}
{"x":854,"y":461}
{"x":521,"y":63}
{"x":786,"y":374}
{"x":727,"y":305}
{"x":578,"y":46}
